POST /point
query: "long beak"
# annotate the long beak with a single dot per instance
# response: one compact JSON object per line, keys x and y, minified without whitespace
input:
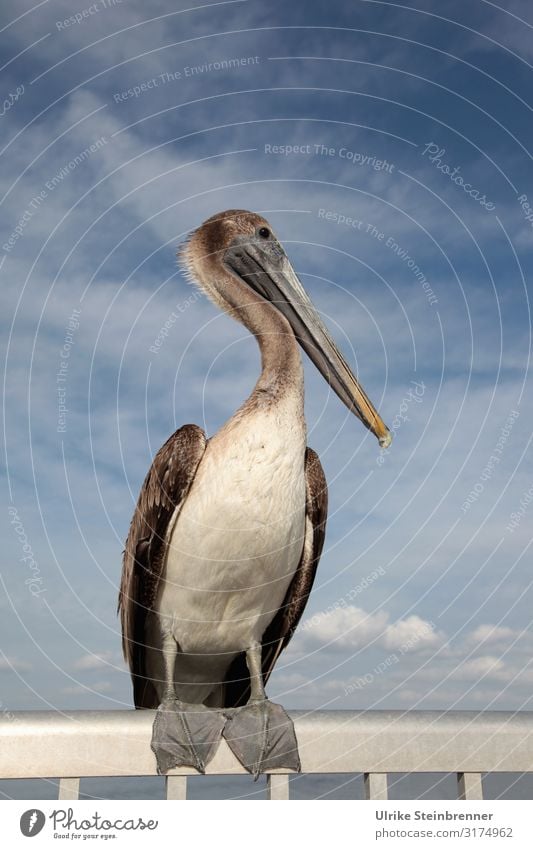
{"x":269,"y":272}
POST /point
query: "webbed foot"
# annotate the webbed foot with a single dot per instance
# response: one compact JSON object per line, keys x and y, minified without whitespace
{"x":185,"y":735}
{"x":261,"y":735}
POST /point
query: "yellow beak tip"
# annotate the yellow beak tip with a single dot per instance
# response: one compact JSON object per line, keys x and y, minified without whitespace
{"x":385,"y":441}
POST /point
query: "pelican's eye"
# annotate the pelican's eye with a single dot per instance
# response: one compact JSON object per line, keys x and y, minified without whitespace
{"x":264,"y":232}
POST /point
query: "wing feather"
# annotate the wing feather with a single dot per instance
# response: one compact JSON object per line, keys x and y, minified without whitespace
{"x":164,"y":489}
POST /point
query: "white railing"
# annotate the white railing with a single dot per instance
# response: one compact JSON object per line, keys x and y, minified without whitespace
{"x":78,"y":744}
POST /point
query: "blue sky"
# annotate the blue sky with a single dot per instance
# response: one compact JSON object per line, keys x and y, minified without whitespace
{"x":348,"y":125}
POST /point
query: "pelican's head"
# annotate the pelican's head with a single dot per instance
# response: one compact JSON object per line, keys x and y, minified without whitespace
{"x":241,"y":244}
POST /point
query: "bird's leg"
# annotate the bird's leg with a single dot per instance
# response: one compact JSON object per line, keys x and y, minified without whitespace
{"x":261,"y":734}
{"x":170,"y":653}
{"x":182,"y":734}
{"x":254,"y":664}
{"x":258,"y":697}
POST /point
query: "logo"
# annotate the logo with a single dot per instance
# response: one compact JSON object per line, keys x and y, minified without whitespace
{"x":32,"y":822}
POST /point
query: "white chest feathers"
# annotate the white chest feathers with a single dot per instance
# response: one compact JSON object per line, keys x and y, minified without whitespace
{"x":237,"y":541}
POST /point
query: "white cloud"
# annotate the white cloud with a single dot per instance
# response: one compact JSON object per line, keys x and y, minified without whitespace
{"x":495,"y":634}
{"x":93,"y":661}
{"x":478,"y":667}
{"x":353,"y":628}
{"x":14,"y":664}
{"x":411,"y":634}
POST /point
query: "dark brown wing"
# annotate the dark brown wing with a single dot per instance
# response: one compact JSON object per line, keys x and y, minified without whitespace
{"x":282,"y":627}
{"x":164,"y":489}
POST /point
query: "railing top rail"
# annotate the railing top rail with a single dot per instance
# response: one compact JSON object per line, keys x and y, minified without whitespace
{"x":37,"y":744}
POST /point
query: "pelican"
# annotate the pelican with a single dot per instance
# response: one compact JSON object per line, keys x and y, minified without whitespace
{"x":227,"y":533}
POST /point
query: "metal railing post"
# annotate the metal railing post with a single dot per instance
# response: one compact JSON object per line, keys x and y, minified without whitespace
{"x":376,"y":785}
{"x":470,"y":785}
{"x":176,"y":786}
{"x":277,"y":787}
{"x":69,"y":788}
